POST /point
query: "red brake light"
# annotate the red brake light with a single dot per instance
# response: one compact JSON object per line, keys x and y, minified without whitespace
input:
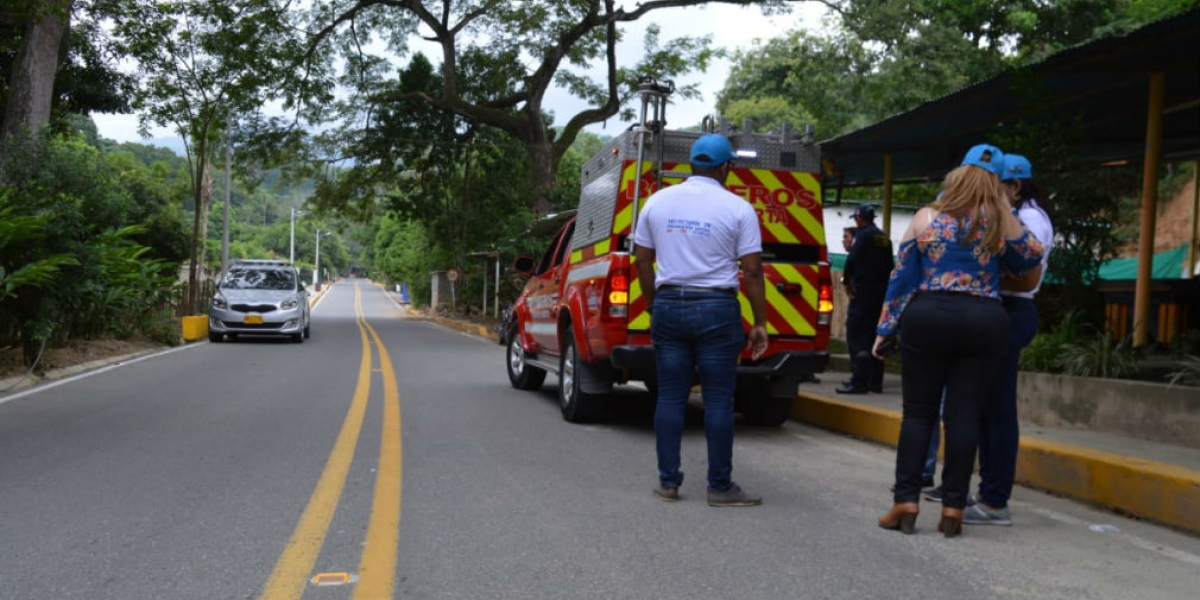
{"x":619,"y":283}
{"x":825,"y":299}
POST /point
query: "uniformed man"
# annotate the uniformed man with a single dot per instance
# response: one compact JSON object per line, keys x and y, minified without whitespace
{"x":868,"y":267}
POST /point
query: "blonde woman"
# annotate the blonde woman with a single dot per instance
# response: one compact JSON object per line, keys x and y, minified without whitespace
{"x":943,"y":300}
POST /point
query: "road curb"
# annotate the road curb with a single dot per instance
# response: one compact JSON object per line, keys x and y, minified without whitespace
{"x":1160,"y":492}
{"x":472,"y":328}
{"x":24,"y":382}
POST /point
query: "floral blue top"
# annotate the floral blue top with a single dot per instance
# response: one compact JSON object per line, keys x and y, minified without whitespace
{"x":937,"y":261}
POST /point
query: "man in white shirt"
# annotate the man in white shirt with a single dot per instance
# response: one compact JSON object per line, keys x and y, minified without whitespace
{"x":999,"y":434}
{"x":698,"y":232}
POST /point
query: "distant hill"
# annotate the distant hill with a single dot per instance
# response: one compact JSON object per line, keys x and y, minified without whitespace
{"x":175,"y":144}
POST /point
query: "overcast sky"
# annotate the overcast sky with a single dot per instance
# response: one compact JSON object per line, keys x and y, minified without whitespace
{"x":732,"y":27}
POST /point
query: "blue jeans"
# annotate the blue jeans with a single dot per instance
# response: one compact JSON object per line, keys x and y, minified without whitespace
{"x":1000,"y":433}
{"x":696,"y":332}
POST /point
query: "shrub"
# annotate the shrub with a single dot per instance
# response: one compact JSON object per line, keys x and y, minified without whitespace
{"x":1100,"y":355}
{"x":1188,"y":373}
{"x":1045,"y":352}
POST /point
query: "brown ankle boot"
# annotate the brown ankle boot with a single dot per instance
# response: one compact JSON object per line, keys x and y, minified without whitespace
{"x":951,"y":523}
{"x":902,"y":517}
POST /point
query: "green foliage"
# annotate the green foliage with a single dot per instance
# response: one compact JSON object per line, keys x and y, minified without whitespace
{"x":17,"y":231}
{"x":802,"y":78}
{"x":73,"y":267}
{"x":402,"y":254}
{"x":1188,"y":373}
{"x":1100,"y":355}
{"x":1045,"y":352}
{"x":1074,"y":348}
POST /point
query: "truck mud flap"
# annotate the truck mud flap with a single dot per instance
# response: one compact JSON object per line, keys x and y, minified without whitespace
{"x":595,"y":378}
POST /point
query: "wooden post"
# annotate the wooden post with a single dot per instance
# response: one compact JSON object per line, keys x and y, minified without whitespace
{"x":1191,"y":255}
{"x":887,"y":193}
{"x":1141,"y":298}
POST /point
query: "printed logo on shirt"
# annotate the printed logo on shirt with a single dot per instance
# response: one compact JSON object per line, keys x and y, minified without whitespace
{"x":690,"y":227}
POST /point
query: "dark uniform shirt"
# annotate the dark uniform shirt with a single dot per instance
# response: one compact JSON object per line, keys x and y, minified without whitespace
{"x":870,"y":262}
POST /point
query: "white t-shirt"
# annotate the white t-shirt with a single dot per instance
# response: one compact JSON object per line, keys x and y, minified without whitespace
{"x":1038,"y":223}
{"x":698,"y":231}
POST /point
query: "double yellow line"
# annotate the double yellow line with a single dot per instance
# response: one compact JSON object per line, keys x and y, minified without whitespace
{"x":377,"y":567}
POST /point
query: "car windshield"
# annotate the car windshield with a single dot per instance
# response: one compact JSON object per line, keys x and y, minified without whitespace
{"x":259,"y":279}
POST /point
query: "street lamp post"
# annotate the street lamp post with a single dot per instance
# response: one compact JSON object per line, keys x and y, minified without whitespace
{"x":317,"y":261}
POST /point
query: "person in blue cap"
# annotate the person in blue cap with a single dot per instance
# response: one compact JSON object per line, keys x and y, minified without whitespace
{"x":700,"y":235}
{"x":943,"y":300}
{"x":999,"y":434}
{"x":868,"y":266}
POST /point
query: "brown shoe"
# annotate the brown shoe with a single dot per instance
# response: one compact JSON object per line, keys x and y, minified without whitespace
{"x":951,"y":523}
{"x":666,"y":494}
{"x":734,"y":496}
{"x":902,"y":517}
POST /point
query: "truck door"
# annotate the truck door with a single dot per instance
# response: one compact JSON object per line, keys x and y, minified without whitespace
{"x":545,"y":292}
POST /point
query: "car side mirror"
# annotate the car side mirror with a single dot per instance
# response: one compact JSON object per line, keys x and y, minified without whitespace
{"x":524,"y":264}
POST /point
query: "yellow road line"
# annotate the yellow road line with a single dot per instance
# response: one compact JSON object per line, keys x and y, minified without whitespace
{"x":377,"y":569}
{"x":290,"y":575}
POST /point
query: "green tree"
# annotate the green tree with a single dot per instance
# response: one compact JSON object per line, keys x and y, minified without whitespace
{"x":200,"y":63}
{"x":498,"y":61}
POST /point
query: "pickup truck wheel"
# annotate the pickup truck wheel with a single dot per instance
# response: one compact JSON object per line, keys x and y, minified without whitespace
{"x":759,"y":408}
{"x":577,"y":406}
{"x":520,"y":374}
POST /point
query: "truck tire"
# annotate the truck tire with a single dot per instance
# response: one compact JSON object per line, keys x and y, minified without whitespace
{"x":758,"y":407}
{"x":577,"y":405}
{"x":520,"y":374}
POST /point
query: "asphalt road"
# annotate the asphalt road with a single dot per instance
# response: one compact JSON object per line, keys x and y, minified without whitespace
{"x":387,"y":457}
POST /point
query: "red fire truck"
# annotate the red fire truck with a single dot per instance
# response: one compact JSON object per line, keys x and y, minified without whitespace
{"x":582,"y":316}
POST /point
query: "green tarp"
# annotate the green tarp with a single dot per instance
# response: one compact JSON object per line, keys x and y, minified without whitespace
{"x":1167,"y":265}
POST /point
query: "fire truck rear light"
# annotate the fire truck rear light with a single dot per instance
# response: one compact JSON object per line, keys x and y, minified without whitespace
{"x":618,"y":311}
{"x":619,"y":283}
{"x":825,"y":299}
{"x":825,"y":318}
{"x":616,"y":297}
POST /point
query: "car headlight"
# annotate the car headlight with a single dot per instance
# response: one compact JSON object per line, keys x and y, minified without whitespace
{"x":290,"y":303}
{"x":219,"y":302}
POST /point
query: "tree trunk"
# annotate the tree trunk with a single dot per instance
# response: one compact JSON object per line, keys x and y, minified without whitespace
{"x":31,"y":87}
{"x":545,"y":172}
{"x":200,"y":196}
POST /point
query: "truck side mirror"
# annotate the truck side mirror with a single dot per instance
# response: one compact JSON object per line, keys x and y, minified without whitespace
{"x":524,"y":264}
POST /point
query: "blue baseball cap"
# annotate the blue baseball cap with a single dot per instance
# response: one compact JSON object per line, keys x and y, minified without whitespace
{"x":865,"y":211}
{"x":711,"y":150}
{"x":1016,"y":167}
{"x":986,"y":157}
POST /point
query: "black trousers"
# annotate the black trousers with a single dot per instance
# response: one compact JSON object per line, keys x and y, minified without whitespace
{"x":953,"y":343}
{"x":862,"y":318}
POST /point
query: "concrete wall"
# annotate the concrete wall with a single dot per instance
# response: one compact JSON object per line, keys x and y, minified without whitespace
{"x":1151,"y":411}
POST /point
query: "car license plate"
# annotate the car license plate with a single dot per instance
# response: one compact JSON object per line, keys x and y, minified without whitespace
{"x":253,"y":320}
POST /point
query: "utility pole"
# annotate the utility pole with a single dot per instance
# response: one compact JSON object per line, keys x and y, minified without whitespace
{"x":292,"y":247}
{"x":317,"y":261}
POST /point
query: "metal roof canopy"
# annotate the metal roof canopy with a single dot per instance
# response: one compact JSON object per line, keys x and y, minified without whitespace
{"x":1104,"y":84}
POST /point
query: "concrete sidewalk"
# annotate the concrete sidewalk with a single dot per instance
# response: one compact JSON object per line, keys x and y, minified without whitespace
{"x":1137,"y":478}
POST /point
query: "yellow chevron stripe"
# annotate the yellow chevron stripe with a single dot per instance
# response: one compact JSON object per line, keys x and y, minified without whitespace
{"x":623,"y":219}
{"x":782,"y":305}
